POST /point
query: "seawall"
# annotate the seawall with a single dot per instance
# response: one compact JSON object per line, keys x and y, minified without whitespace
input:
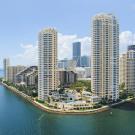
{"x":58,"y":111}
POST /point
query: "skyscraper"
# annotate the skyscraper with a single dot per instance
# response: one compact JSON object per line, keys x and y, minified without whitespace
{"x":12,"y":71}
{"x":127,"y":69}
{"x":47,"y":75}
{"x":85,"y":61}
{"x":122,"y":69}
{"x":6,"y":63}
{"x":77,"y":53}
{"x":130,"y":69}
{"x":105,"y":56}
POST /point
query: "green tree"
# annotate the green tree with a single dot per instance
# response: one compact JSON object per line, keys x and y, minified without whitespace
{"x":82,"y":84}
{"x":122,"y":86}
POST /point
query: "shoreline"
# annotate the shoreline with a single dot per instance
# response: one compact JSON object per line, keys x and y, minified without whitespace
{"x":56,"y":111}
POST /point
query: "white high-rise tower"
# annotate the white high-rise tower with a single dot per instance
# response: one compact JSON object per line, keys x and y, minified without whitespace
{"x":6,"y":63}
{"x":105,"y":56}
{"x":47,"y":75}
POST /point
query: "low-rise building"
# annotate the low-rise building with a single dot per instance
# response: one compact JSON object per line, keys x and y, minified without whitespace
{"x":95,"y":99}
{"x":75,"y":105}
{"x":87,"y":96}
{"x":73,"y":95}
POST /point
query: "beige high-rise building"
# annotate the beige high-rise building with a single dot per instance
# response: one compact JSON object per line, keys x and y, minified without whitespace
{"x":13,"y":71}
{"x":130,"y":69}
{"x":6,"y":63}
{"x":122,"y":68}
{"x":47,"y":75}
{"x":127,"y":69}
{"x":105,"y":56}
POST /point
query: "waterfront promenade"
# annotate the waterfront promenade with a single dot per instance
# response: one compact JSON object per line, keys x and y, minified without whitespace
{"x":61,"y":111}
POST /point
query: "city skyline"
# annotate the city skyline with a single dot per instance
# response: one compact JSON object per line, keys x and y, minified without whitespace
{"x":67,"y":67}
{"x":21,"y":27}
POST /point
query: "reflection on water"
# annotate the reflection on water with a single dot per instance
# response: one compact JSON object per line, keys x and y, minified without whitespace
{"x":17,"y":117}
{"x":130,"y":106}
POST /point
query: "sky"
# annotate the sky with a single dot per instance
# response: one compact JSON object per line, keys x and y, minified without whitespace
{"x":21,"y":20}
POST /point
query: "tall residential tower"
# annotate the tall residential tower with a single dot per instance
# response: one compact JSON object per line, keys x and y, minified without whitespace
{"x":127,"y":69}
{"x":47,"y":75}
{"x":130,"y":69}
{"x":6,"y":63}
{"x":105,"y":56}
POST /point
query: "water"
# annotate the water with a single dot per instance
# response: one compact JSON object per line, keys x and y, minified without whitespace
{"x":1,"y":73}
{"x":17,"y":117}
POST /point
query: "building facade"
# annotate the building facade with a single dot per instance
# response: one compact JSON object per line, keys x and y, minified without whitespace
{"x":85,"y":61}
{"x":6,"y":63}
{"x":122,"y":69}
{"x":47,"y":66}
{"x":130,"y":69}
{"x":127,"y":69}
{"x":67,"y":78}
{"x":105,"y":56}
{"x":28,"y":76}
{"x":77,"y":53}
{"x":12,"y":72}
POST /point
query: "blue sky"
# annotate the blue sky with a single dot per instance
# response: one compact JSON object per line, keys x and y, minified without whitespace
{"x":21,"y":20}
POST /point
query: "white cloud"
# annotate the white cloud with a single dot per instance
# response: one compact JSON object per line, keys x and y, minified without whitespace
{"x":65,"y":45}
{"x":126,"y":38}
{"x":86,"y":45}
{"x":29,"y":55}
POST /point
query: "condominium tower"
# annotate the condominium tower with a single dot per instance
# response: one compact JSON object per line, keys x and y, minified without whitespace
{"x":77,"y":53}
{"x":105,"y":56}
{"x":6,"y":63}
{"x":12,"y":71}
{"x":127,"y":69}
{"x":47,"y":75}
{"x":123,"y":69}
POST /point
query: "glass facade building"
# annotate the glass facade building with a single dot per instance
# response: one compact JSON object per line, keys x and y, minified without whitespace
{"x":77,"y":53}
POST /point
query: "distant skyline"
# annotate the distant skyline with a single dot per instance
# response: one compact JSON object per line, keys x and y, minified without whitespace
{"x":22,"y":20}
